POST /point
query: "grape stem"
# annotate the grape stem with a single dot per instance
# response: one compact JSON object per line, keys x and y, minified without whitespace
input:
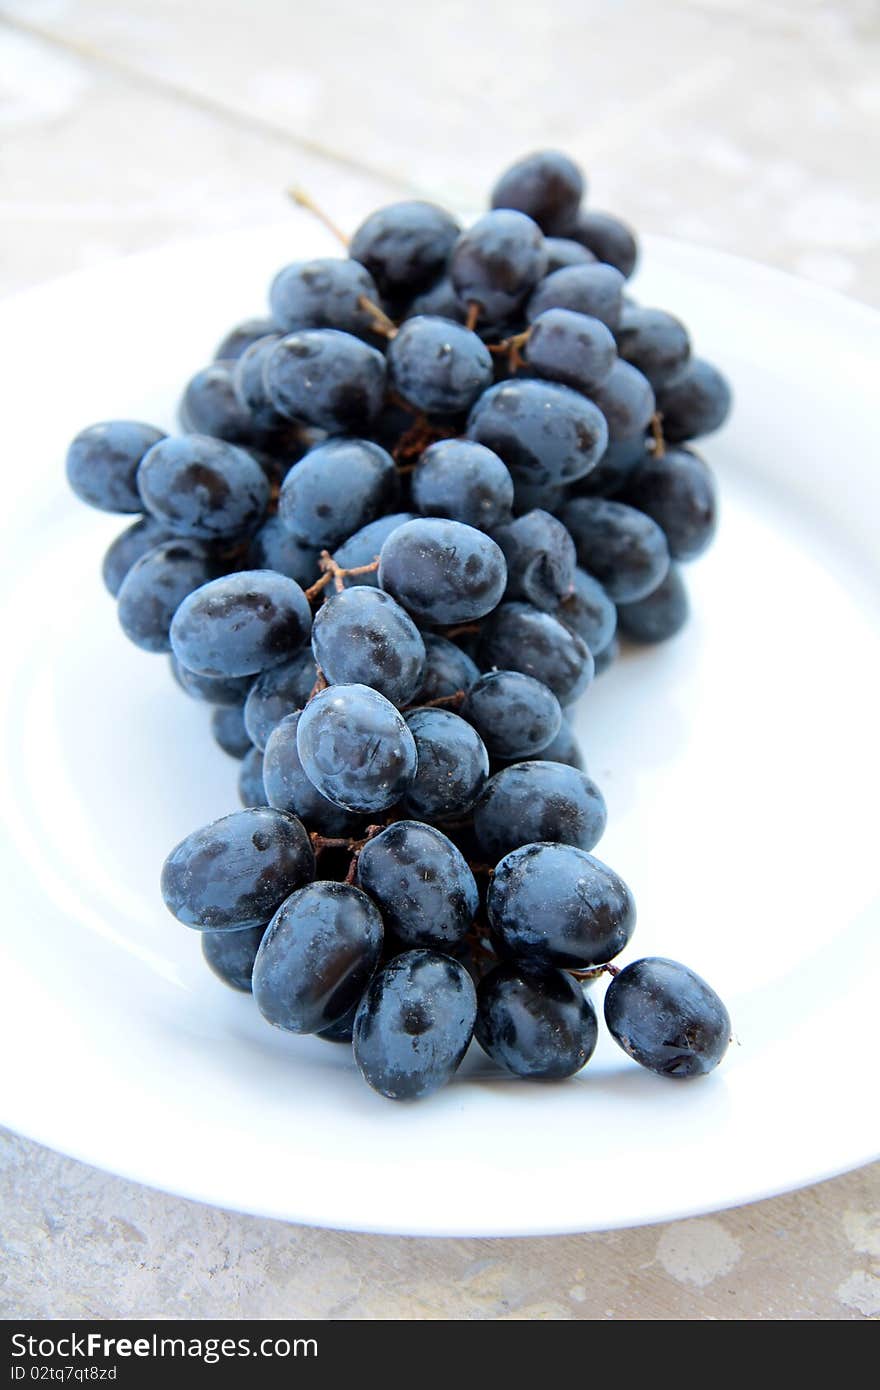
{"x":337,"y":573}
{"x":453,"y":701}
{"x":460,"y":628}
{"x":657,"y":435}
{"x":321,"y":683}
{"x":415,"y":440}
{"x":511,"y":346}
{"x":474,"y":309}
{"x":303,"y":200}
{"x":596,"y":971}
{"x":381,"y":324}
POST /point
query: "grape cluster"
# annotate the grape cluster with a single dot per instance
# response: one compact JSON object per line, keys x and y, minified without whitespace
{"x":405,"y":521}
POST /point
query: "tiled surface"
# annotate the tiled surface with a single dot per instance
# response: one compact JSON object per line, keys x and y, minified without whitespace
{"x":746,"y":124}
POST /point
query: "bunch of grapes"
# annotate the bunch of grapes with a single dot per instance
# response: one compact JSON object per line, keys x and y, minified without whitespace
{"x":406,"y":517}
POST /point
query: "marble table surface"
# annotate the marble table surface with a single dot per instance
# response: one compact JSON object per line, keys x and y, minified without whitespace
{"x":749,"y":125}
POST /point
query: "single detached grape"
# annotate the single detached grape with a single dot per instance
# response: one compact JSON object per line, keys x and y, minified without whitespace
{"x":544,"y":432}
{"x":202,"y":487}
{"x":335,"y":490}
{"x":538,"y":802}
{"x":235,"y":872}
{"x":424,"y":888}
{"x":103,"y":461}
{"x":497,"y":261}
{"x":361,"y":636}
{"x":556,"y":905}
{"x":547,"y":186}
{"x":414,"y":1024}
{"x":515,"y":715}
{"x":317,"y":957}
{"x":231,"y":955}
{"x":440,"y":367}
{"x":621,"y":547}
{"x":667,"y":1018}
{"x":355,"y":748}
{"x":442,"y":571}
{"x":286,"y":786}
{"x":328,"y":379}
{"x":536,"y":1023}
{"x":659,"y":616}
{"x":453,"y":765}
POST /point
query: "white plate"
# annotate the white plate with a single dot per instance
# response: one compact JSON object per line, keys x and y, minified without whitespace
{"x":739,"y":762}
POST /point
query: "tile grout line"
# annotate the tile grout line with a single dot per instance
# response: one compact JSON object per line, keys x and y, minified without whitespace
{"x":199,"y":102}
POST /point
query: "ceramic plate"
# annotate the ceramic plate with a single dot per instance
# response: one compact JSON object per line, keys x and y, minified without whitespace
{"x":740,"y":765}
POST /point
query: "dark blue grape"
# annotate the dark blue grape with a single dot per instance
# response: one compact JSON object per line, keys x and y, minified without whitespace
{"x":659,"y":616}
{"x":404,"y":246}
{"x":355,"y":748}
{"x":336,"y":490}
{"x":414,"y":1024}
{"x":463,"y":481}
{"x":536,"y":1023}
{"x":541,"y":559}
{"x":565,"y":747}
{"x":424,"y":888}
{"x":231,"y":955}
{"x":362,"y":637}
{"x":607,"y":656}
{"x":589,"y":612}
{"x":447,"y":670}
{"x":667,"y":1018}
{"x":519,"y":637}
{"x":241,"y":624}
{"x":614,"y":467}
{"x":514,"y":714}
{"x":274,"y":548}
{"x":609,"y":239}
{"x":532,"y":802}
{"x":279,"y":692}
{"x":547,"y":186}
{"x":324,"y":293}
{"x":677,"y":490}
{"x":595,"y":290}
{"x":328,"y":379}
{"x":497,"y":261}
{"x":571,"y":348}
{"x":241,"y":337}
{"x":546,"y":497}
{"x":288,"y":788}
{"x":317,"y":957}
{"x":556,"y":905}
{"x":202,"y":487}
{"x":440,"y":299}
{"x":544,"y":432}
{"x":440,"y":367}
{"x":695,"y":403}
{"x":227,"y":726}
{"x":626,"y":400}
{"x":654,"y":341}
{"x":210,"y":406}
{"x":156,"y":585}
{"x":364,"y":546}
{"x":251,"y":791}
{"x":453,"y":765}
{"x":214,"y":690}
{"x":143,"y":535}
{"x":248,"y":380}
{"x":622,"y":548}
{"x":442,"y":571}
{"x":103,"y":460}
{"x":235,"y":872}
{"x":562,"y":251}
{"x":342,"y":1031}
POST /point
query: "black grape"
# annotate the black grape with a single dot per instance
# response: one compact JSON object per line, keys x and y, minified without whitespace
{"x":543,"y":801}
{"x":336,"y":490}
{"x":463,"y":481}
{"x":621,"y":547}
{"x":535,"y":1023}
{"x":102,"y":464}
{"x":328,"y":379}
{"x":424,"y":888}
{"x":497,"y":261}
{"x":514,"y":714}
{"x":227,"y":726}
{"x":453,"y":765}
{"x":677,"y":490}
{"x":355,"y":748}
{"x":156,"y":585}
{"x":544,"y":432}
{"x":659,"y":616}
{"x":287,"y":787}
{"x":697,"y":402}
{"x":547,"y":186}
{"x":231,"y":955}
{"x":541,"y":559}
{"x":278,"y":692}
{"x":667,"y":1018}
{"x":240,"y":624}
{"x":595,"y":290}
{"x":405,"y":246}
{"x":440,"y":367}
{"x":442,"y":572}
{"x":362,"y":637}
{"x":519,"y":637}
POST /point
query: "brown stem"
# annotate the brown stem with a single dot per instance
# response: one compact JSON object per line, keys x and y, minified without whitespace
{"x":454,"y":701}
{"x":459,"y":628}
{"x":473,"y":315}
{"x":381,"y":322}
{"x":657,"y":435}
{"x":320,"y":684}
{"x":336,"y":573}
{"x":303,"y":200}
